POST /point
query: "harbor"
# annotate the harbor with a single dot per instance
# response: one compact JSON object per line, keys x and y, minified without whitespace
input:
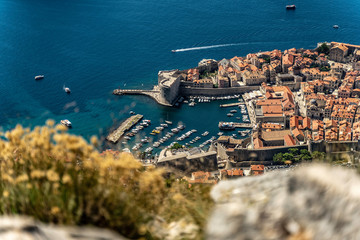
{"x":124,"y":126}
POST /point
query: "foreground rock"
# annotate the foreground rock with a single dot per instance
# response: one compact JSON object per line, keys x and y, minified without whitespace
{"x":24,"y":228}
{"x":312,"y":202}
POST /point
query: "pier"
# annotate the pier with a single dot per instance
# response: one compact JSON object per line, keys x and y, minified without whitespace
{"x":231,"y":104}
{"x":238,"y":125}
{"x":124,"y":126}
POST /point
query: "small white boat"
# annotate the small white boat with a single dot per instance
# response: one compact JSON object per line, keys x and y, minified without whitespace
{"x":168,"y":122}
{"x":192,"y":104}
{"x":39,"y":77}
{"x":66,"y":123}
{"x":67,"y":90}
{"x":205,"y":133}
{"x":336,"y":26}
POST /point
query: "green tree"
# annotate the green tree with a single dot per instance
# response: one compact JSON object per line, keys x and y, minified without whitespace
{"x":176,"y":146}
{"x":294,"y":151}
{"x":323,"y":49}
{"x":305,"y":155}
{"x":288,"y":156}
{"x":278,"y":157}
{"x":318,"y":156}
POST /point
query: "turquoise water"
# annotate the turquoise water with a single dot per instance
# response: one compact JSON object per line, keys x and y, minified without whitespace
{"x":95,"y":46}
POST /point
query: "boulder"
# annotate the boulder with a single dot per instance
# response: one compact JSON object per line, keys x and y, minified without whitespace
{"x":310,"y":202}
{"x":25,"y":228}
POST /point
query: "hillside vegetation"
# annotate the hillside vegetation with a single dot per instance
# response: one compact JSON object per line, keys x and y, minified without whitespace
{"x":60,"y":178}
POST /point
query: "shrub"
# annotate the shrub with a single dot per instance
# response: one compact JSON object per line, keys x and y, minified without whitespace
{"x":60,"y":178}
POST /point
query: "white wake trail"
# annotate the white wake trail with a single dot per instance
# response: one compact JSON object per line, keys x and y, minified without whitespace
{"x":207,"y":47}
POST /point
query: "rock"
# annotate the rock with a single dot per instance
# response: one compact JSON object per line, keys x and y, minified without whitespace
{"x":181,"y":229}
{"x":25,"y":228}
{"x":311,"y":202}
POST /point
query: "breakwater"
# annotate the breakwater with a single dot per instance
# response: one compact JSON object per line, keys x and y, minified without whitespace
{"x":124,"y":126}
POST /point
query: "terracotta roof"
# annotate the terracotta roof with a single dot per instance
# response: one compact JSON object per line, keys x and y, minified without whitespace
{"x":289,"y":140}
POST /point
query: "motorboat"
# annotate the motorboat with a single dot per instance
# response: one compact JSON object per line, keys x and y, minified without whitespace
{"x":336,"y":26}
{"x":230,"y":114}
{"x":66,"y":123}
{"x":290,"y":7}
{"x":173,"y":51}
{"x":233,"y":111}
{"x":39,"y":77}
{"x":168,"y":122}
{"x":205,"y":133}
{"x":67,"y":90}
{"x":226,"y":125}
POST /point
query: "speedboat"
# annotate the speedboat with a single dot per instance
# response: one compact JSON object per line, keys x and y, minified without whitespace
{"x":39,"y":77}
{"x":66,"y":123}
{"x":67,"y":90}
{"x":290,"y":7}
{"x":173,"y":50}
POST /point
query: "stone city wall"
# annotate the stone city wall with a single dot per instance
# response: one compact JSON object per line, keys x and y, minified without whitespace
{"x":267,"y":154}
{"x":185,"y":91}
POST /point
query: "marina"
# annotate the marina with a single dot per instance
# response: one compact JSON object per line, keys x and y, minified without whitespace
{"x":125,"y":126}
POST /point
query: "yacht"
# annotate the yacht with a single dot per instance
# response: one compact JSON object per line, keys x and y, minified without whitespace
{"x":168,"y":122}
{"x":66,"y":123}
{"x":233,"y":111}
{"x":39,"y":77}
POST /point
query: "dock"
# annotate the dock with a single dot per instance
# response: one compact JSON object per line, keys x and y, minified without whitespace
{"x":239,"y":125}
{"x":231,"y":104}
{"x":124,"y":126}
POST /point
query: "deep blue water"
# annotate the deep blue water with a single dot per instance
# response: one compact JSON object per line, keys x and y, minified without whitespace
{"x":94,"y":46}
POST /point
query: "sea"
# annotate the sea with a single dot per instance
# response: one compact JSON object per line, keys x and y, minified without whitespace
{"x":95,"y":46}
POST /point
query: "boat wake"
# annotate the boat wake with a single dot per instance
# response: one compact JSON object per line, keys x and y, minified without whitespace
{"x":234,"y":44}
{"x":207,"y":47}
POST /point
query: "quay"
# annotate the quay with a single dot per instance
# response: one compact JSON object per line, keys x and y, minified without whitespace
{"x":231,"y":104}
{"x":238,"y":125}
{"x":124,"y":126}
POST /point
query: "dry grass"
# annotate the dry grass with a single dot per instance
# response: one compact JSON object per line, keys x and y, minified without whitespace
{"x":60,"y":178}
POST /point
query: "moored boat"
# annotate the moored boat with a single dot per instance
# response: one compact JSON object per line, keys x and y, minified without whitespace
{"x":66,"y":123}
